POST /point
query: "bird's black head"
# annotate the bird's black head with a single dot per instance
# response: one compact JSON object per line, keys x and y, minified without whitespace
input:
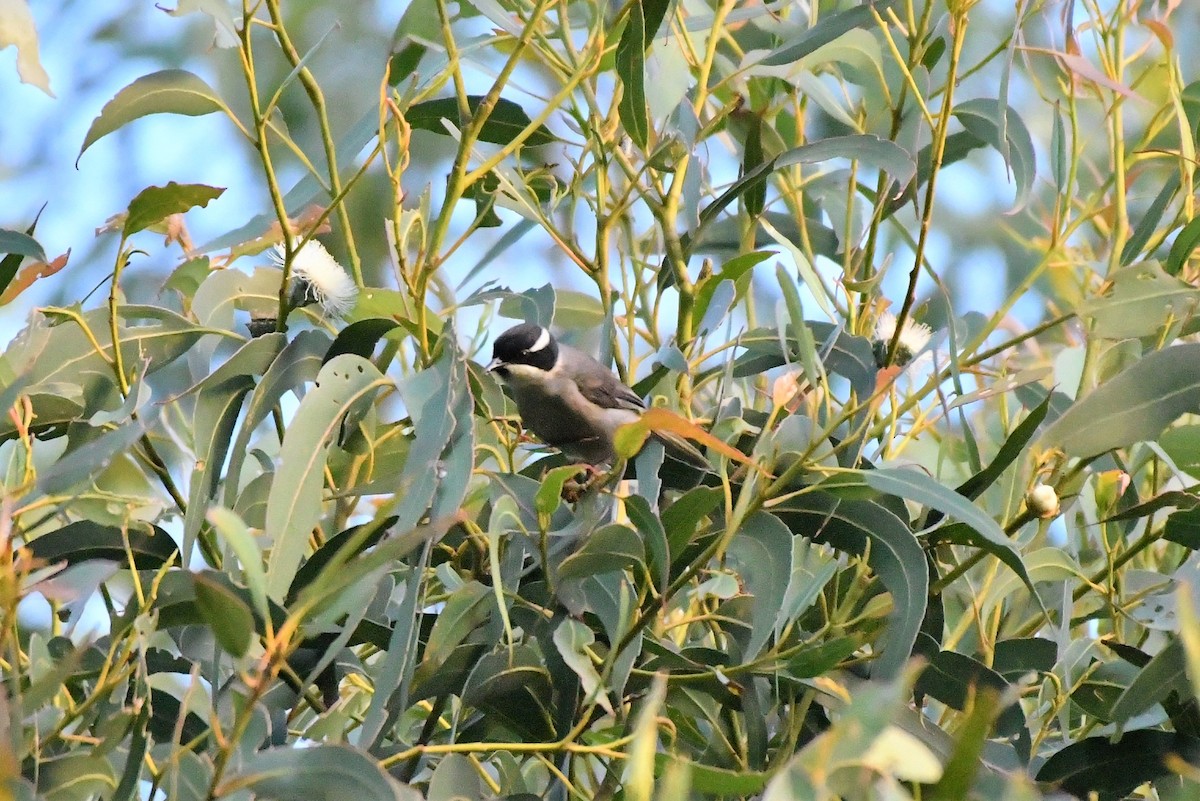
{"x":524,"y":344}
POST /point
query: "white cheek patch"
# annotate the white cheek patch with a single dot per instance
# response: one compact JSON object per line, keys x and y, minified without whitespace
{"x":523,"y":374}
{"x":542,"y":341}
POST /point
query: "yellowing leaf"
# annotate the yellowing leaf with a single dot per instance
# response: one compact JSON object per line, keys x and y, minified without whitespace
{"x":17,"y":28}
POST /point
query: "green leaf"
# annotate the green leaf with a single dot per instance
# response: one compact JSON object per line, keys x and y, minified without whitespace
{"x":752,"y":156}
{"x":165,"y":92}
{"x":155,"y":203}
{"x":872,"y":708}
{"x":859,"y":527}
{"x":951,"y":678}
{"x":90,"y":460}
{"x":346,"y":545}
{"x":631,"y":70}
{"x":299,"y":362}
{"x":466,"y":608}
{"x":971,"y":739}
{"x":504,"y":124}
{"x":83,"y":540}
{"x":762,"y":550}
{"x":573,"y":640}
{"x":1181,"y":249}
{"x":812,"y":568}
{"x":216,"y":413}
{"x":1182,"y":445}
{"x":442,"y":454}
{"x":1165,"y":673}
{"x":514,"y":686}
{"x":843,"y":353}
{"x":19,"y":244}
{"x":711,"y":780}
{"x":138,"y":746}
{"x":1016,"y":657}
{"x":1140,"y":301}
{"x":75,"y":776}
{"x":319,"y":773}
{"x":829,"y":28}
{"x":989,"y":120}
{"x":1134,"y":406}
{"x":294,"y":505}
{"x":234,"y":531}
{"x":360,"y":338}
{"x":682,"y":518}
{"x":454,"y":778}
{"x":917,"y":486}
{"x":78,"y":367}
{"x":1013,"y":447}
{"x":867,"y":148}
{"x":394,"y":675}
{"x":733,"y":271}
{"x":344,"y":571}
{"x":188,"y":776}
{"x":811,"y":662}
{"x":609,"y":548}
{"x":1148,"y":225}
{"x":654,"y":535}
{"x":1183,"y":527}
{"x":226,"y":614}
{"x":1114,"y":769}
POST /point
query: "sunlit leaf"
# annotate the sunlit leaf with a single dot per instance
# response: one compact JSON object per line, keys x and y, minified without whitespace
{"x":170,"y":91}
{"x":1135,"y":405}
{"x":1141,"y":300}
{"x":829,"y":28}
{"x":155,"y":203}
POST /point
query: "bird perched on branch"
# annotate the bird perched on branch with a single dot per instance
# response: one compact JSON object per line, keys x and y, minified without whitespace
{"x":570,"y":400}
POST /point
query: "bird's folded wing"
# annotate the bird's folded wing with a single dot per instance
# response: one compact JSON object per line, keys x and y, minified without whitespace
{"x":610,"y":394}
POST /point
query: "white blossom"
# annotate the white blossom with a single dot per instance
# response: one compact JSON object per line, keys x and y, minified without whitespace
{"x":321,"y":279}
{"x":914,"y":337}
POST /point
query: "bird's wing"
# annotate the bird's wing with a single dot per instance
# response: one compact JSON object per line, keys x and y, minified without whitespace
{"x":607,"y":392}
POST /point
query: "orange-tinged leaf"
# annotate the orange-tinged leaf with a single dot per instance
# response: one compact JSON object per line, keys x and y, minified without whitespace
{"x":658,"y":419}
{"x":31,"y":273}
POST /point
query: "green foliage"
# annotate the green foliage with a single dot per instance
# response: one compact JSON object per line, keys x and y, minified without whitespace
{"x":251,"y":546}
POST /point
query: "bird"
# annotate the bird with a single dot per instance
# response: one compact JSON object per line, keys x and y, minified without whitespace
{"x":570,"y":400}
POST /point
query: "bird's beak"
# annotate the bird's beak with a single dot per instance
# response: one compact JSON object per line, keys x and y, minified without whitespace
{"x":494,"y":365}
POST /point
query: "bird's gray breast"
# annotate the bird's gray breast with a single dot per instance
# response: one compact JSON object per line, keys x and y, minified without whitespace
{"x":559,"y":415}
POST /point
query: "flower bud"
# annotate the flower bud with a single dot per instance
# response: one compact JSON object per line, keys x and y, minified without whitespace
{"x":1042,"y":500}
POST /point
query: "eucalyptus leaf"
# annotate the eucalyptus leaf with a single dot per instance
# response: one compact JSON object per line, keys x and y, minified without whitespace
{"x":1135,"y":405}
{"x":170,"y":91}
{"x":321,"y":773}
{"x":294,"y":505}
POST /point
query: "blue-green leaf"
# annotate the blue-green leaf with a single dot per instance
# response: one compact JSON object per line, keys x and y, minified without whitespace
{"x":859,"y":527}
{"x":320,"y":773}
{"x":990,"y":120}
{"x":294,"y":505}
{"x":1134,"y":406}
